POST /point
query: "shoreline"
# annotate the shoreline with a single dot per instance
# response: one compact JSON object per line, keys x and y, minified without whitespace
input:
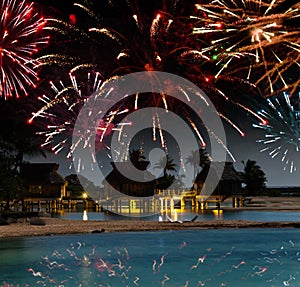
{"x":58,"y":226}
{"x":55,"y":226}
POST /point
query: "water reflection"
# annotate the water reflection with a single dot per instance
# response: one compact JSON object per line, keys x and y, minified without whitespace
{"x":85,"y":215}
{"x":218,"y":213}
{"x":245,"y":257}
{"x":203,"y":215}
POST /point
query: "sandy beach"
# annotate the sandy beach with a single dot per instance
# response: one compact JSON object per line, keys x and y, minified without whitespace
{"x":274,"y":203}
{"x":55,"y":226}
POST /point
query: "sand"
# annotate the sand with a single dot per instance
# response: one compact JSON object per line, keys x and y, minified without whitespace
{"x":55,"y":226}
{"x":274,"y":203}
{"x":61,"y":226}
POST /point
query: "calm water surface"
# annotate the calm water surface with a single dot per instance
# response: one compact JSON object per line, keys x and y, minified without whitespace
{"x":263,"y":216}
{"x":235,"y":258}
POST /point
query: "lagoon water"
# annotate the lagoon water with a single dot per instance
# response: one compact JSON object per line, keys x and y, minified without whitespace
{"x":231,"y":257}
{"x":263,"y":216}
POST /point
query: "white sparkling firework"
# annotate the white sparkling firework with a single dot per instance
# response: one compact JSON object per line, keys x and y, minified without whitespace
{"x":282,"y":130}
{"x":60,"y":109}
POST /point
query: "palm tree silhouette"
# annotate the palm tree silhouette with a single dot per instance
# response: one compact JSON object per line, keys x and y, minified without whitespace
{"x":198,"y":158}
{"x":193,"y":160}
{"x":166,"y":163}
{"x":254,"y":177}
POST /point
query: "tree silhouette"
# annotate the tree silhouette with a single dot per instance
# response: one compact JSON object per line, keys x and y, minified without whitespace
{"x":254,"y":177}
{"x":166,"y":163}
{"x":11,"y":186}
{"x":193,"y":160}
{"x":198,"y":158}
{"x":17,"y":137}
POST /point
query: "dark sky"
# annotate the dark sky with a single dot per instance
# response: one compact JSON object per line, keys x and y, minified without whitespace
{"x":243,"y":148}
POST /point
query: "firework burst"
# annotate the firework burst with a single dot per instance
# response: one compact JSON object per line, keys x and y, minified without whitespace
{"x":159,"y":43}
{"x":158,"y":39}
{"x":61,"y":107}
{"x":259,"y":37}
{"x":282,"y":129}
{"x":21,"y":34}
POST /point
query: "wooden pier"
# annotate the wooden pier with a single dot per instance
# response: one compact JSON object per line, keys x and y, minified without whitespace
{"x":55,"y":204}
{"x":163,"y":201}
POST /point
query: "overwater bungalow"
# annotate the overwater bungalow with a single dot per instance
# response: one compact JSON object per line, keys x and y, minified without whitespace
{"x":43,"y":184}
{"x":126,"y":184}
{"x":229,"y":181}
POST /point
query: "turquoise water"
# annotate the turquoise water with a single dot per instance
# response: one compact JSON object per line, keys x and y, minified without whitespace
{"x":235,"y":258}
{"x":263,"y":216}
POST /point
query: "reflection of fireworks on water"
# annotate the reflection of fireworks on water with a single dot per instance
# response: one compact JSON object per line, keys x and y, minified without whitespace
{"x":80,"y":265}
{"x":20,"y":32}
{"x":282,"y":129}
{"x":263,"y":34}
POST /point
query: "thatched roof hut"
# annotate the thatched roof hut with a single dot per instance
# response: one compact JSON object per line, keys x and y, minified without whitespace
{"x":229,"y":181}
{"x":43,"y":180}
{"x":125,"y":184}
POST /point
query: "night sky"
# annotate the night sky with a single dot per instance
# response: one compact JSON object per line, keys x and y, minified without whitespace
{"x":243,"y":148}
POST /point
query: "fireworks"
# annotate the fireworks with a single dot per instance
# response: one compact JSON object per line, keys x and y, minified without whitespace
{"x":163,"y":42}
{"x":258,"y":35}
{"x":282,"y":129}
{"x":158,"y":43}
{"x":21,"y":34}
{"x":61,"y":109}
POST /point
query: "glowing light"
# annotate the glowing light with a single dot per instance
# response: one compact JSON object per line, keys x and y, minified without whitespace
{"x":20,"y":38}
{"x":282,"y":129}
{"x":252,"y":35}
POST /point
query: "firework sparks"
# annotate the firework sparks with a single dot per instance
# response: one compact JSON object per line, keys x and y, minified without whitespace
{"x":282,"y":129}
{"x":61,"y":110}
{"x":20,"y":34}
{"x":159,"y":43}
{"x":258,"y":33}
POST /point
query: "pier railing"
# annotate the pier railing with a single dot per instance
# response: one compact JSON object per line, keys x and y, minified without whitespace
{"x":162,"y":201}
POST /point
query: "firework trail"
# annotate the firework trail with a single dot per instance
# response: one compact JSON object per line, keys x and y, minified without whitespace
{"x":21,"y":35}
{"x":282,"y":129}
{"x":159,"y":43}
{"x":260,"y":37}
{"x":60,"y":108}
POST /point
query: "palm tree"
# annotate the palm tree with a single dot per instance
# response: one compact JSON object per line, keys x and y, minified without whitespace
{"x":166,"y":163}
{"x":254,"y":177}
{"x":193,"y":159}
{"x":11,"y":186}
{"x":17,"y":138}
{"x":165,"y":182}
{"x":205,"y":158}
